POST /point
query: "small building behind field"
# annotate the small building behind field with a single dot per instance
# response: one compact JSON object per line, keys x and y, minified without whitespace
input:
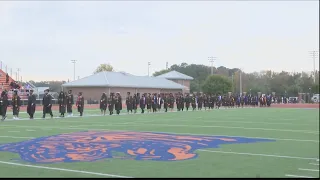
{"x":179,"y":78}
{"x":93,"y":86}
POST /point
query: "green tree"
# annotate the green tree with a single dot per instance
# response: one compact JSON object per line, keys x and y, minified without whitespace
{"x":217,"y":84}
{"x":161,"y":72}
{"x":103,"y":67}
{"x":315,"y":88}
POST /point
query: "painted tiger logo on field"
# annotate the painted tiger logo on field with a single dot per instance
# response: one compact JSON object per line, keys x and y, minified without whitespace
{"x":92,"y":146}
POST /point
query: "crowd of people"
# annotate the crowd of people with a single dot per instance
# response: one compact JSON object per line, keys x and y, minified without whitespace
{"x":146,"y":102}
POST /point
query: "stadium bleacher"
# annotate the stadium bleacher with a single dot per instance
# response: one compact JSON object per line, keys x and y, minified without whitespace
{"x":3,"y":84}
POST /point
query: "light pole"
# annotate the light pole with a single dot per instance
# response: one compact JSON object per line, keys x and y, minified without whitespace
{"x":74,"y":68}
{"x":18,"y":74}
{"x":149,"y":68}
{"x":314,"y":56}
{"x":212,"y":59}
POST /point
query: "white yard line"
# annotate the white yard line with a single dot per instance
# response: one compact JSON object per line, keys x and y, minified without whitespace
{"x":200,"y":121}
{"x":314,"y":164}
{"x":297,"y":176}
{"x":262,"y":155}
{"x":226,"y":127}
{"x":313,"y":170}
{"x":162,"y":112}
{"x":30,"y":130}
{"x":61,"y":169}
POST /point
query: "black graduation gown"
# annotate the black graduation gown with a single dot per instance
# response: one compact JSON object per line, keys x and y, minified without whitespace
{"x":111,"y":104}
{"x":80,"y":104}
{"x":31,"y":108}
{"x":129,"y":103}
{"x":4,"y":105}
{"x":47,"y":104}
{"x":118,"y":103}
{"x":16,"y":103}
{"x":62,"y":104}
{"x":142,"y":102}
{"x":70,"y":102}
{"x":103,"y":103}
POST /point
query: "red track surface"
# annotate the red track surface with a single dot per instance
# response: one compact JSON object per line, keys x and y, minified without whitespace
{"x":96,"y":106}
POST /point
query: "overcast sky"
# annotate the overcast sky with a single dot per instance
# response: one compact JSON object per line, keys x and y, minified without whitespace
{"x":42,"y":37}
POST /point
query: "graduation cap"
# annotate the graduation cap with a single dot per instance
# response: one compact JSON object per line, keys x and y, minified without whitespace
{"x":46,"y":90}
{"x":31,"y":90}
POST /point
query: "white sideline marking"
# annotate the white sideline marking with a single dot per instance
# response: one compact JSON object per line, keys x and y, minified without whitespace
{"x":213,"y":121}
{"x":30,"y":130}
{"x":277,"y":139}
{"x":15,"y":137}
{"x":162,"y":112}
{"x":60,"y":169}
{"x":314,"y":164}
{"x":227,"y":127}
{"x":252,"y":154}
{"x":297,"y":176}
{"x":135,"y":123}
{"x":314,"y":170}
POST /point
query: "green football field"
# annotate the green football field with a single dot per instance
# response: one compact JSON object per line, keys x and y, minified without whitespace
{"x":249,"y":142}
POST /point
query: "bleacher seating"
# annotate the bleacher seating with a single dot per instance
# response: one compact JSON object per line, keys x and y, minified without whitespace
{"x":3,"y":81}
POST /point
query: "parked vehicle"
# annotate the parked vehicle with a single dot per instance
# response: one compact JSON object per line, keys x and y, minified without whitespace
{"x":315,"y":98}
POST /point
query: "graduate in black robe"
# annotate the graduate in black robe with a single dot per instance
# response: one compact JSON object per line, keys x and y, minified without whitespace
{"x":135,"y":102}
{"x":16,"y":103}
{"x":111,"y":102}
{"x":166,"y":102}
{"x":47,"y":104}
{"x":4,"y":102}
{"x":193,"y":102}
{"x":31,"y":108}
{"x":62,"y":103}
{"x":149,"y":102}
{"x":129,"y":102}
{"x":154,"y":103}
{"x":103,"y":103}
{"x":80,"y":103}
{"x":118,"y":103}
{"x":70,"y":102}
{"x":142,"y":103}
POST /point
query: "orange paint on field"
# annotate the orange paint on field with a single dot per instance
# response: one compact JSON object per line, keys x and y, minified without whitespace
{"x":52,"y":160}
{"x":180,"y":154}
{"x":131,"y":152}
{"x":152,"y":152}
{"x":76,"y":157}
{"x":141,"y":151}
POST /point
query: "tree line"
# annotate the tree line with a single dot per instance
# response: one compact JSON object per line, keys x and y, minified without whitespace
{"x":265,"y":81}
{"x":225,"y":80}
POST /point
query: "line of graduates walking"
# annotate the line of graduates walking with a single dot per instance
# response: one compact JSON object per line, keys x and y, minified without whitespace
{"x":66,"y":102}
{"x":154,"y":102}
{"x":146,"y":102}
